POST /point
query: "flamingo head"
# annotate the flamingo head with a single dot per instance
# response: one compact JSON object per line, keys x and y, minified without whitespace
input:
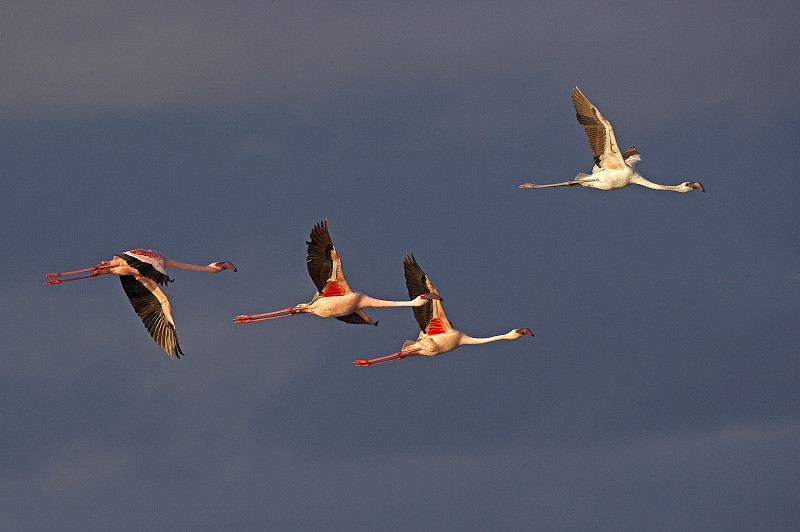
{"x":688,"y":186}
{"x":223,"y":266}
{"x":424,"y":299}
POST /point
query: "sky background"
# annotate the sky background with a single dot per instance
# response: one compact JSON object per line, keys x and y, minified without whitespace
{"x":662,"y":388}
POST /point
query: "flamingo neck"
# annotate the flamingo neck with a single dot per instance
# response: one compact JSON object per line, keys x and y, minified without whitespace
{"x":639,"y":180}
{"x":470,"y":340}
{"x":183,"y":266}
{"x":367,"y":301}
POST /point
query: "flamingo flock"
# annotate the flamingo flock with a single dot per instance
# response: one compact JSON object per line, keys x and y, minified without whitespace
{"x":141,"y":271}
{"x":334,"y":298}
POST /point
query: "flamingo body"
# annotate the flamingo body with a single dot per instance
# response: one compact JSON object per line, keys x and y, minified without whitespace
{"x":334,"y":298}
{"x":141,"y":272}
{"x":612,"y":168}
{"x":437,"y":334}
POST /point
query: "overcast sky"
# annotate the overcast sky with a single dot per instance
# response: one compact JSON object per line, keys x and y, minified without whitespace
{"x":662,"y":388}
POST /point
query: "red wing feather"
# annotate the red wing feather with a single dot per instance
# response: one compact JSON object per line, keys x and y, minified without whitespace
{"x":332,"y":289}
{"x":435,"y":326}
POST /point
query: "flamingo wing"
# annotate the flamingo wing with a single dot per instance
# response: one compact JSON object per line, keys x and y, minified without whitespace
{"x":601,"y":134}
{"x":417,"y":284}
{"x":430,"y":316}
{"x":152,"y":306}
{"x":318,"y":260}
{"x":359,"y":317}
{"x":323,"y":263}
{"x":439,"y":323}
{"x":147,"y":263}
{"x":631,"y":156}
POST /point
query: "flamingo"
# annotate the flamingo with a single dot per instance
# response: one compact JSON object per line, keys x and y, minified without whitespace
{"x":140,"y":272}
{"x":334,"y":298}
{"x":438,"y":335}
{"x":611,"y":169}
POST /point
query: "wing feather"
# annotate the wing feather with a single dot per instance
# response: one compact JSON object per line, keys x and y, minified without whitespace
{"x":318,"y":260}
{"x":152,"y":271}
{"x":631,"y":156}
{"x":359,"y":317}
{"x":599,"y":131}
{"x":322,"y":261}
{"x":152,"y":306}
{"x":417,"y":284}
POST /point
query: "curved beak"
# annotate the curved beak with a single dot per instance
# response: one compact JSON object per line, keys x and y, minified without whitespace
{"x":698,"y":186}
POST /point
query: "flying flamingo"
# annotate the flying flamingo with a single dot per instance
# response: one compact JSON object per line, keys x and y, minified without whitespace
{"x":611,"y":169}
{"x":334,"y":298}
{"x":437,"y":335}
{"x":141,"y":271}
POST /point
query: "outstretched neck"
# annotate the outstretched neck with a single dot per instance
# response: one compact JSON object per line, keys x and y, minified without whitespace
{"x":639,"y":180}
{"x":507,"y":336}
{"x":367,"y":301}
{"x":418,"y":301}
{"x":169,"y":263}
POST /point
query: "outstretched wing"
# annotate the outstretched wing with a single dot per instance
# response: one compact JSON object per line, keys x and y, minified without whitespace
{"x":430,"y":316}
{"x":598,"y":129}
{"x":323,"y":263}
{"x":152,"y":306}
{"x":319,"y":261}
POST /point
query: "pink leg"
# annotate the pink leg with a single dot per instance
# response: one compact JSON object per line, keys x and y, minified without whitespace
{"x":67,"y":273}
{"x":291,"y":311}
{"x":564,"y":184}
{"x":57,"y":281}
{"x":396,"y":356}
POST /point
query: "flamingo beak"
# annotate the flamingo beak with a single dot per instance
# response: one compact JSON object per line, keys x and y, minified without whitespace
{"x":525,"y":331}
{"x":225,"y":266}
{"x":431,"y":295}
{"x":697,"y":185}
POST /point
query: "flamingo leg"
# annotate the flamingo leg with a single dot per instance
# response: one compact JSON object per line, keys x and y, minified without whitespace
{"x":564,"y":184}
{"x":75,"y":271}
{"x":100,"y":269}
{"x":57,"y":281}
{"x":396,"y":356}
{"x":291,"y":311}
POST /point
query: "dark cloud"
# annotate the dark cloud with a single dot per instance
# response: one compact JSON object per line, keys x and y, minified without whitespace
{"x":90,"y":55}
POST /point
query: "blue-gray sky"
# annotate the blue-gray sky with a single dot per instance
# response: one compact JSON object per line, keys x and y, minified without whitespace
{"x":661,"y":391}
